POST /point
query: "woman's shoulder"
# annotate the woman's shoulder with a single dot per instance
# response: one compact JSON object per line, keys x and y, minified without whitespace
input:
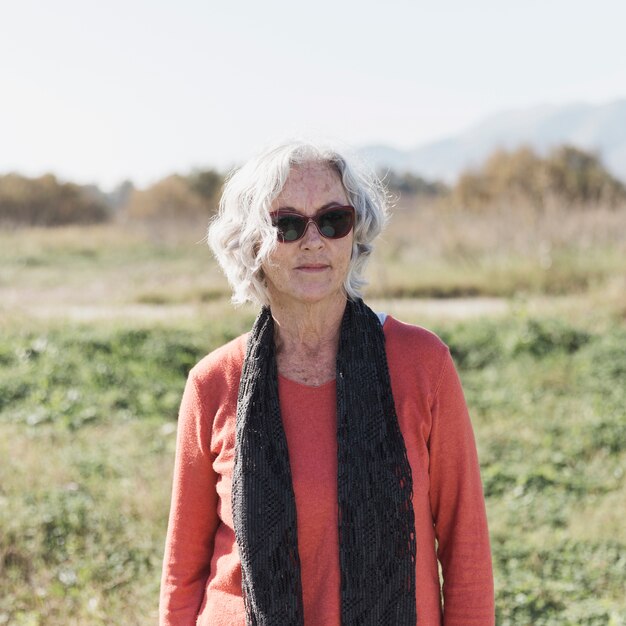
{"x":223,"y":363}
{"x":411,"y":335}
{"x":412,"y":348}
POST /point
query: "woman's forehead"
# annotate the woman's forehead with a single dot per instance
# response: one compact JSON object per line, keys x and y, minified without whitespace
{"x":312,"y":183}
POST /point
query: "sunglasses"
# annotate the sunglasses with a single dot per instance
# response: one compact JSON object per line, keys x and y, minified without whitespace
{"x":333,"y":223}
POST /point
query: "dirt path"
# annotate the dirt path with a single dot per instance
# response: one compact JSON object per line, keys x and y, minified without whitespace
{"x":451,"y":308}
{"x":410,"y":308}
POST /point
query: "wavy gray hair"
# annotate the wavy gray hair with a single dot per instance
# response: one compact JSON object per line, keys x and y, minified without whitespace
{"x":242,"y":236}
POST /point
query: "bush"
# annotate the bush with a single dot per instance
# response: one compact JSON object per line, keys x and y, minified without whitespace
{"x":567,"y":175}
{"x":177,"y":197}
{"x":408,"y":184}
{"x":45,"y":201}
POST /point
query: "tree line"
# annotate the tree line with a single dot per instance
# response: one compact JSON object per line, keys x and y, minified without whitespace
{"x":567,"y":175}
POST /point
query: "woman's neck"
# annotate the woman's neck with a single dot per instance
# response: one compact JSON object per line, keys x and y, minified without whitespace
{"x":307,"y":338}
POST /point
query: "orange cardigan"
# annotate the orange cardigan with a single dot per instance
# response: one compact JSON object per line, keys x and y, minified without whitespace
{"x":201,"y":581}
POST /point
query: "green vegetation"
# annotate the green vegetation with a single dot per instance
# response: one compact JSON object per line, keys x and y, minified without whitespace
{"x":87,"y":430}
{"x":549,"y":403}
{"x":87,"y":427}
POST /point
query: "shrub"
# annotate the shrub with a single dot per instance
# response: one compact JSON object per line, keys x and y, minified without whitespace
{"x":408,"y":184}
{"x":177,"y":197}
{"x":566,"y":176}
{"x":45,"y":201}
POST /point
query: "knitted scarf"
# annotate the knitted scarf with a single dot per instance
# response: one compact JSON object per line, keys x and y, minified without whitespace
{"x":375,"y":488}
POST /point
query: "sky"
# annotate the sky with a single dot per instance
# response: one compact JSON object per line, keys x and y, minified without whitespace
{"x":98,"y":92}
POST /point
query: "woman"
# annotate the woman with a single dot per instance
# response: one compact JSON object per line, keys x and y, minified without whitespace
{"x":325,"y":462}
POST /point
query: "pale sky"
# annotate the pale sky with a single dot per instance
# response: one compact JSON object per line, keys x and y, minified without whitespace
{"x":98,"y":91}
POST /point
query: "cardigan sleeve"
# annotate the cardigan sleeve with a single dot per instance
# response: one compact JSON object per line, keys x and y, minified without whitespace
{"x":458,"y":507}
{"x":193,"y":517}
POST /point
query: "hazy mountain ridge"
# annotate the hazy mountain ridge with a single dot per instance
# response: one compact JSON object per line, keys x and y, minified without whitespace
{"x":597,"y":128}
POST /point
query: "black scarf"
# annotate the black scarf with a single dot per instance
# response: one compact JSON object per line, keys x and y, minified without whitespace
{"x":375,"y":488}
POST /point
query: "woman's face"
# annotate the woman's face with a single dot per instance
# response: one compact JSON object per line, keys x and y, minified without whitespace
{"x":313,"y":268}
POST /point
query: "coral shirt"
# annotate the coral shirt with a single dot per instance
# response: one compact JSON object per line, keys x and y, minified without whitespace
{"x":201,"y":581}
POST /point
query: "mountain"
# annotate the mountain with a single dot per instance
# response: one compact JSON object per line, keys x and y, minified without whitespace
{"x":597,"y":128}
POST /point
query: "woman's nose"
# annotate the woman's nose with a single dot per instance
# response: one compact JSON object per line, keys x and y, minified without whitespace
{"x":312,"y":236}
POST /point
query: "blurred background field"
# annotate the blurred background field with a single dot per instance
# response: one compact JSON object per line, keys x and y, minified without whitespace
{"x":100,"y":323}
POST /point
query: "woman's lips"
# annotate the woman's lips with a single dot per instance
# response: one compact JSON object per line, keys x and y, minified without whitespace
{"x":313,"y":267}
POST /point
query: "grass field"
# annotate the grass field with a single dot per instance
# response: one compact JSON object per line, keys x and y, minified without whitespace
{"x":99,"y":326}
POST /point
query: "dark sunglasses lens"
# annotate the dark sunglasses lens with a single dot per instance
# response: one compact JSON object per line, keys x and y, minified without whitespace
{"x":335,"y":224}
{"x":290,"y":227}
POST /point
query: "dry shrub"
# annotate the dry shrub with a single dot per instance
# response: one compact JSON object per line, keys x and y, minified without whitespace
{"x":171,"y":197}
{"x":45,"y":201}
{"x":175,"y":207}
{"x":567,"y":176}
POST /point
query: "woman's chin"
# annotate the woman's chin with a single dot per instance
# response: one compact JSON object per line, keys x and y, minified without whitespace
{"x":309,"y":296}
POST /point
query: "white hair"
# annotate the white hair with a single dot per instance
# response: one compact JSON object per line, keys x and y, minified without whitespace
{"x":242,"y":236}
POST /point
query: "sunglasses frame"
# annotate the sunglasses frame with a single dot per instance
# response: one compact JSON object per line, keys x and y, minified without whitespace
{"x":315,"y":219}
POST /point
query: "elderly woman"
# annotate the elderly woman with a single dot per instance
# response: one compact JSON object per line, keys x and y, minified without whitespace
{"x":325,"y":462}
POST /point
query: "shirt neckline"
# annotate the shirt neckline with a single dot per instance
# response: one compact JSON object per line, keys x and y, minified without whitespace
{"x":330,"y":382}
